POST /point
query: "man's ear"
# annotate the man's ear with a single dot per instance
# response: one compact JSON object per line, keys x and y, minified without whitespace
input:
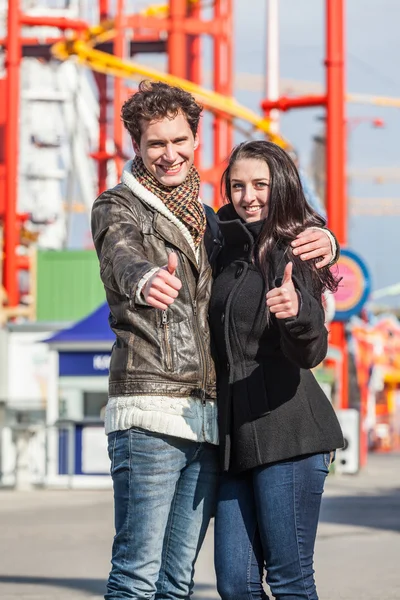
{"x":136,"y":147}
{"x":196,"y":141}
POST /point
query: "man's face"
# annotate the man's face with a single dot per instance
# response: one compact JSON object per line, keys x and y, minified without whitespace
{"x":167,"y":148}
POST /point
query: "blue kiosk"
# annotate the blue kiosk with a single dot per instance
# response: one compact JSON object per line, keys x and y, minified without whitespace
{"x":77,"y":396}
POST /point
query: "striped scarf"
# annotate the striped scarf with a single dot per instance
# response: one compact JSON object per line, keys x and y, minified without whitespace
{"x":182,"y":200}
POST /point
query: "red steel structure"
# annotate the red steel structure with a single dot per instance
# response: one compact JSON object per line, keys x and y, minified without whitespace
{"x":184,"y":26}
{"x":334,"y":102}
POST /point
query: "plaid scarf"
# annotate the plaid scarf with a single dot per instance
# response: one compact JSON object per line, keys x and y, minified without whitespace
{"x":182,"y":200}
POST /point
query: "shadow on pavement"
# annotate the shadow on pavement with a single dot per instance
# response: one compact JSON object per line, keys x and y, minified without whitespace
{"x":205,"y":588}
{"x":374,"y":511}
{"x":91,"y":586}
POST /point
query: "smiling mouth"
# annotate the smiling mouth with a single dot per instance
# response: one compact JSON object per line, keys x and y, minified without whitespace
{"x":252,"y":208}
{"x":170,"y":170}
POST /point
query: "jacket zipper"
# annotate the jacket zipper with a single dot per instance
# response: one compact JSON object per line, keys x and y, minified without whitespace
{"x":230,"y":303}
{"x":167,"y":345}
{"x":202,"y":353}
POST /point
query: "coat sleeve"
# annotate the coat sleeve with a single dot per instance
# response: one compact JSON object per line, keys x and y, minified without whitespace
{"x":334,"y":245}
{"x":118,"y":241}
{"x":304,"y":339}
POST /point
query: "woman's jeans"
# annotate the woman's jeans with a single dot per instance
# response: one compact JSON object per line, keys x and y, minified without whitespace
{"x":267,"y":519}
{"x":164,"y":496}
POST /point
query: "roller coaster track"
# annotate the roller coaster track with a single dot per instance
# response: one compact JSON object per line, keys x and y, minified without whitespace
{"x":83,"y":49}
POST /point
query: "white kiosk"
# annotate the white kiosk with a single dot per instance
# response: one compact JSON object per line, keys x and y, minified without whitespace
{"x":77,"y":445}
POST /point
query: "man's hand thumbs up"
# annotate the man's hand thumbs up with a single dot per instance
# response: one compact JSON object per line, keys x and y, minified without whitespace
{"x":172,"y":263}
{"x":163,"y":287}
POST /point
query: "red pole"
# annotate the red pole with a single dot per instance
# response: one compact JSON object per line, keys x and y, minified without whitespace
{"x":336,"y":140}
{"x":223,"y":137}
{"x":13,"y":61}
{"x":101,"y":81}
{"x":118,"y":89}
{"x":194,"y":68}
{"x":229,"y":70}
{"x":336,"y":154}
{"x":217,"y":125}
{"x":177,"y":39}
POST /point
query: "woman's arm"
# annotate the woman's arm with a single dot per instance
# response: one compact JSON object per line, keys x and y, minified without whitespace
{"x":300,"y":317}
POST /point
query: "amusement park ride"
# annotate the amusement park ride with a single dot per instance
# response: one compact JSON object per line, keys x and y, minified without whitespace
{"x":177,"y":30}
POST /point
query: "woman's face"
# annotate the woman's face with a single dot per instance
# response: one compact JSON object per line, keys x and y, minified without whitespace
{"x":249,"y":181}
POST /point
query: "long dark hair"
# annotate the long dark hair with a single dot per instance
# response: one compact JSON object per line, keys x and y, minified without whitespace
{"x":288,"y":210}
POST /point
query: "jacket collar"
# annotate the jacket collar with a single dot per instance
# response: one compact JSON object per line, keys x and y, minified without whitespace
{"x":239,"y":236}
{"x":158,"y":205}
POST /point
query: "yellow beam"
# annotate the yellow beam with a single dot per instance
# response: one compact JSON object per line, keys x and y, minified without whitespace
{"x":103,"y":62}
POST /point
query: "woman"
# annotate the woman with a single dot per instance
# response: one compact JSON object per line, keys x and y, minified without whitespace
{"x":278,"y":431}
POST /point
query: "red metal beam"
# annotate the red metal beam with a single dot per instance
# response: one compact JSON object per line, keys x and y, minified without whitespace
{"x":336,"y":200}
{"x":3,"y":119}
{"x":59,"y":22}
{"x":119,"y":47}
{"x":13,"y":61}
{"x":194,"y":73}
{"x":286,"y":102}
{"x":101,"y":80}
{"x":189,"y":25}
{"x":222,"y":84}
{"x":335,"y":122}
{"x":31,"y":41}
{"x":177,"y":63}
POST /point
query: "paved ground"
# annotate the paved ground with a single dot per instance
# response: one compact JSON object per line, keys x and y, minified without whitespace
{"x":55,"y":544}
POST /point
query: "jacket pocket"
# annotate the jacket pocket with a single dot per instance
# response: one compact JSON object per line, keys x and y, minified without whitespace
{"x":119,"y":362}
{"x":166,"y":341}
{"x":118,"y":451}
{"x":257,"y":393}
{"x":249,"y":395}
{"x":329,"y":457}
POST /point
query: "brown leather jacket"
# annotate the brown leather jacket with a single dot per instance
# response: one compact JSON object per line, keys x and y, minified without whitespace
{"x":156,"y":352}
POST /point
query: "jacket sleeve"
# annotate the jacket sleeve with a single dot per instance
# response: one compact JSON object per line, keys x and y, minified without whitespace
{"x":334,"y":245}
{"x":118,"y":241}
{"x":304,"y":338}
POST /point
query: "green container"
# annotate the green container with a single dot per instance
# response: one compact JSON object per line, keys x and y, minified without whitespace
{"x":68,"y":284}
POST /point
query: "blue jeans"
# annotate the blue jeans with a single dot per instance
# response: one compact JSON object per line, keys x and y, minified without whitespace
{"x":267,"y":519}
{"x":164,"y":496}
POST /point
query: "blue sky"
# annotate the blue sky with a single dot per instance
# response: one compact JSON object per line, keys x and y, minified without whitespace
{"x":373,"y":51}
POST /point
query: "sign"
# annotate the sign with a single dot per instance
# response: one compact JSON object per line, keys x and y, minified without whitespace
{"x":354,"y":287}
{"x":94,"y":455}
{"x":23,"y":352}
{"x":80,"y":364}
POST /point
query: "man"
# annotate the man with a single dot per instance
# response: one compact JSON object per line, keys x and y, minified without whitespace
{"x":161,"y":417}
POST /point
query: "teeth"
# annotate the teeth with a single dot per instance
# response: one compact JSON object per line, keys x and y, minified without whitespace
{"x":171,"y":169}
{"x":253,"y":208}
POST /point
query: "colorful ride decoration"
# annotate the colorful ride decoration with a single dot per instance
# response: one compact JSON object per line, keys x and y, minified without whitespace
{"x":377,"y":355}
{"x":354,"y":287}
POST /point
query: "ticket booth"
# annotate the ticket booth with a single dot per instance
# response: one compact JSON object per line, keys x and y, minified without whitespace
{"x":77,"y":445}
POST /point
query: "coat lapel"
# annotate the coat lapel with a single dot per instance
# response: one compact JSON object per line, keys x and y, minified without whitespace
{"x":170,"y":232}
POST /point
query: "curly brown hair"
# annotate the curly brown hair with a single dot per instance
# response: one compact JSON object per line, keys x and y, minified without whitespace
{"x":155,"y":100}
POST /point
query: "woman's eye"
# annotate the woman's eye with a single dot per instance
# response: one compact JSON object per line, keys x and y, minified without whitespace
{"x":236,"y":186}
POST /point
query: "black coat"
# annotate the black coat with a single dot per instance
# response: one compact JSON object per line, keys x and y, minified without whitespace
{"x":271,"y":408}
